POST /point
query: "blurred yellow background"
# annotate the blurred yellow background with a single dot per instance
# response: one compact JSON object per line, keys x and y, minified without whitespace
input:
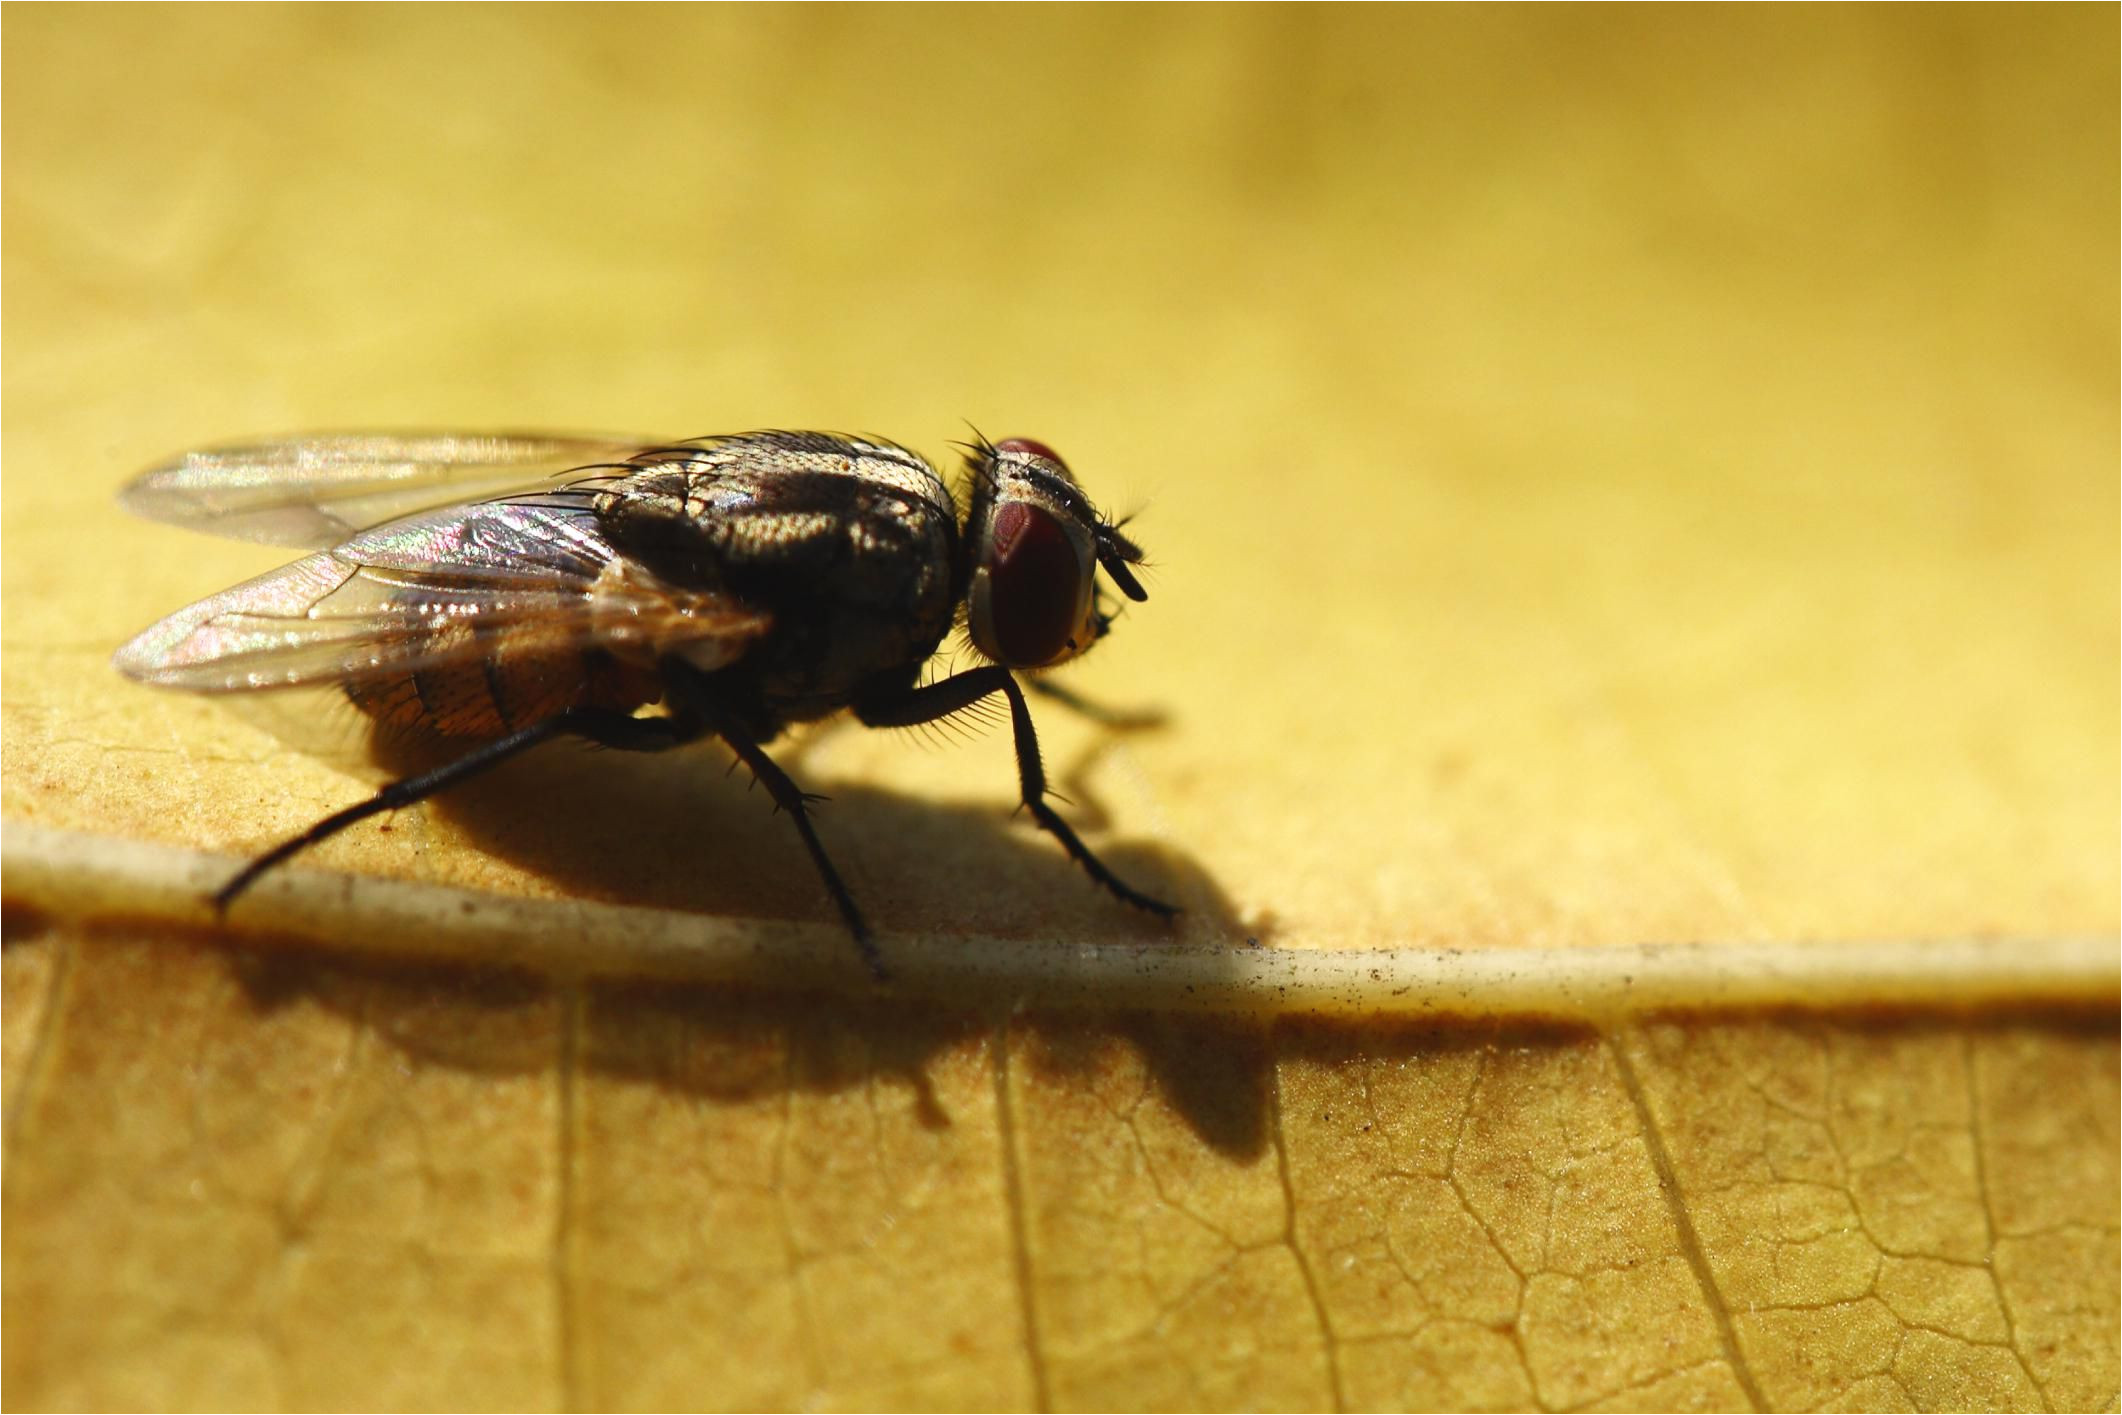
{"x":1612,"y":476}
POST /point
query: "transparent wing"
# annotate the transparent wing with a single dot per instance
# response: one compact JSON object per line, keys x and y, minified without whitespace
{"x":314,"y":492}
{"x":433,"y":590}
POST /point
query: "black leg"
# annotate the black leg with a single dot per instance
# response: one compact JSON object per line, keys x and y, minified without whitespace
{"x":703,"y":704}
{"x":963,"y":689}
{"x":599,"y":725}
{"x":797,"y":802}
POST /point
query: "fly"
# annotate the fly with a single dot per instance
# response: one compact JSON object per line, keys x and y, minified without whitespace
{"x":503,"y":591}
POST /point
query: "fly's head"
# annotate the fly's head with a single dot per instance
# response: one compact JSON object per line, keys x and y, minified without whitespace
{"x":1034,"y":545}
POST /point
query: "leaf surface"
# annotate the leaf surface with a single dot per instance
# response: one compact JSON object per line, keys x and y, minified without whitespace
{"x":1631,"y":510}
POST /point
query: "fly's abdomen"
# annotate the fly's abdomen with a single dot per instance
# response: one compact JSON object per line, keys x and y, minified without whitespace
{"x":487,"y":681}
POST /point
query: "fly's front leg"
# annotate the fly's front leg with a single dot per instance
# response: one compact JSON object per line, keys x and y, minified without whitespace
{"x":961,"y":690}
{"x":600,"y":725}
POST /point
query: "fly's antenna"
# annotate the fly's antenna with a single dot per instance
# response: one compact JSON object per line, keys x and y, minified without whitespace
{"x":1116,"y":553}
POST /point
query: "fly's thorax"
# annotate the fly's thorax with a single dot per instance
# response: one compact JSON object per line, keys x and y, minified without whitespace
{"x":822,"y":458}
{"x":857,"y":594}
{"x":844,"y":547}
{"x":767,"y":515}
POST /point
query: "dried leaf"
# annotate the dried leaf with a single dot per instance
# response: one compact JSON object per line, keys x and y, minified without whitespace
{"x":1632,"y":510}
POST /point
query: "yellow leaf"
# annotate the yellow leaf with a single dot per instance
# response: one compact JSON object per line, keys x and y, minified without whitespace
{"x":1631,"y":507}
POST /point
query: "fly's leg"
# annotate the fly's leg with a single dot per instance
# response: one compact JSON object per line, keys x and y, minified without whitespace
{"x":703,"y":703}
{"x":962,"y":690}
{"x":789,"y":797}
{"x":603,"y":726}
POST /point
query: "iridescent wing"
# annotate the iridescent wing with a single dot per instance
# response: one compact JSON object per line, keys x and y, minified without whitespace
{"x":434,"y":590}
{"x":314,"y":492}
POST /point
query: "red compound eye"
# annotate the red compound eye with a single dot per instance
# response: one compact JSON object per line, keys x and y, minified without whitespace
{"x":1035,"y":585}
{"x":1026,"y":444}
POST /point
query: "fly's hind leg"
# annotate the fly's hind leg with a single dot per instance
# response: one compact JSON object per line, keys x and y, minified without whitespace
{"x":963,"y":689}
{"x":603,"y":726}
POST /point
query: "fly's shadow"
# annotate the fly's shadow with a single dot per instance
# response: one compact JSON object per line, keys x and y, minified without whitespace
{"x":1210,"y":1073}
{"x":685,"y":831}
{"x":716,"y":1047}
{"x":682,"y":831}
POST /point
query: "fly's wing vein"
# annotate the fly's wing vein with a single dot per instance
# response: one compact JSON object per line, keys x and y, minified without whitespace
{"x":314,"y":492}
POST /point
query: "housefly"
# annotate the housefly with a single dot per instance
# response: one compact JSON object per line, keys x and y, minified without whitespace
{"x":498,"y":592}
